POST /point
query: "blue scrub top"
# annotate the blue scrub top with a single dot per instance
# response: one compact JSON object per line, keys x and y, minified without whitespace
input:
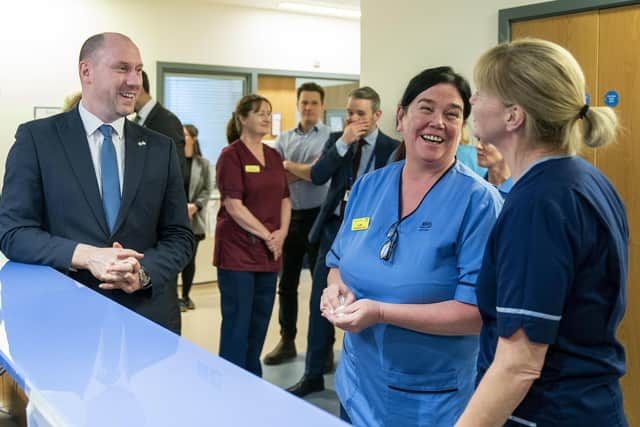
{"x":503,"y":188}
{"x":556,"y":266}
{"x":390,"y":375}
{"x":468,"y":155}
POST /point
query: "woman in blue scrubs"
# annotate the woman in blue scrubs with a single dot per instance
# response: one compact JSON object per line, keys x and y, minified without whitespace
{"x":404,"y":267}
{"x":552,"y":286}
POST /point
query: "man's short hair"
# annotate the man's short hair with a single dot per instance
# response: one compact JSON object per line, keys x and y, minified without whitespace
{"x":366,"y":92}
{"x":91,"y":45}
{"x":310,"y":87}
{"x":145,"y":81}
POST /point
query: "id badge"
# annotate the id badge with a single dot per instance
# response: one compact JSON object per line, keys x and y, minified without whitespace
{"x":358,"y":224}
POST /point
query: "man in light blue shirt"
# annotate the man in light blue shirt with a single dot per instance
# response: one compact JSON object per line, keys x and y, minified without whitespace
{"x":301,"y":145}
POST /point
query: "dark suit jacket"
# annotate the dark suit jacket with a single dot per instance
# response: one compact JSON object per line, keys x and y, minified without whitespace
{"x":331,"y":166}
{"x":51,"y":202}
{"x":164,"y":121}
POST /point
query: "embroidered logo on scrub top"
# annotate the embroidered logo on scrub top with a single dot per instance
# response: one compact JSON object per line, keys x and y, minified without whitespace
{"x":358,"y":224}
{"x":425,"y":226}
{"x":252,"y":168}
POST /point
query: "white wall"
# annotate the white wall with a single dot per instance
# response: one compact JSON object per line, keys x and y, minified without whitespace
{"x":40,"y":40}
{"x":398,"y":42}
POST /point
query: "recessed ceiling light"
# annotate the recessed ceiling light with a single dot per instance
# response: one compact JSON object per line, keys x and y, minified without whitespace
{"x":319,"y":10}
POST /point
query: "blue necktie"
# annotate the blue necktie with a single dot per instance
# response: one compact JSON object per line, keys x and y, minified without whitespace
{"x":109,"y":177}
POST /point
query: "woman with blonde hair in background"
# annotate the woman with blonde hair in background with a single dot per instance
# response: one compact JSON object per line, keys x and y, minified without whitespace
{"x":71,"y":101}
{"x":551,"y":290}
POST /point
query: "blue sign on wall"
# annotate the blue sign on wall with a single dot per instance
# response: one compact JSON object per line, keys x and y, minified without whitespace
{"x":611,"y":98}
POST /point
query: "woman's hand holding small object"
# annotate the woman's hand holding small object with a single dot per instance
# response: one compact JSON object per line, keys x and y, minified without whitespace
{"x":339,"y":311}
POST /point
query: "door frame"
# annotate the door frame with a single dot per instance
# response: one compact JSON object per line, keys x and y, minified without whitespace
{"x":250,"y":75}
{"x":548,"y":9}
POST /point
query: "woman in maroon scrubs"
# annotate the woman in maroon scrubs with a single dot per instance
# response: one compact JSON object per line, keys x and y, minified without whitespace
{"x":251,"y":227}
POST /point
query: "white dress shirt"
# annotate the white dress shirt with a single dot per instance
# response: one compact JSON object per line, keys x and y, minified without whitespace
{"x":144,"y":111}
{"x":91,"y":124}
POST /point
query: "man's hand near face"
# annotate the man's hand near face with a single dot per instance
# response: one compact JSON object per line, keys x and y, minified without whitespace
{"x":354,"y":131}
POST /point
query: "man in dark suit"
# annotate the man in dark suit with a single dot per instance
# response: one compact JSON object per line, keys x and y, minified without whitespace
{"x":151,"y":114}
{"x":98,"y":197}
{"x":347,"y":155}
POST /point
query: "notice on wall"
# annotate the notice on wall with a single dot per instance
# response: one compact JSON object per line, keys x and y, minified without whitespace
{"x":276,"y":124}
{"x":611,"y":98}
{"x":42,"y":112}
{"x":335,"y":124}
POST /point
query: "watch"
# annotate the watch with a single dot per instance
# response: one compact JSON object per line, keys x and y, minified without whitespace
{"x":145,"y":279}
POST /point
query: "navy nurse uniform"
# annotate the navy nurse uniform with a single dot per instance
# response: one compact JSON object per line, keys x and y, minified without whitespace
{"x":393,"y":376}
{"x":556,"y":266}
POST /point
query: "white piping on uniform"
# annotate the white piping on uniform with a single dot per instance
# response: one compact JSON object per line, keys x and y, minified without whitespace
{"x":522,"y":421}
{"x":530,"y":313}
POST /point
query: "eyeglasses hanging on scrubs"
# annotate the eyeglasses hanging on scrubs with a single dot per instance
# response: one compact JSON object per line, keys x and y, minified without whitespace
{"x":388,"y":247}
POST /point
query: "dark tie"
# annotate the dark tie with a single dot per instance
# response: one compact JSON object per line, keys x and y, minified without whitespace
{"x":355,"y":163}
{"x":109,"y":177}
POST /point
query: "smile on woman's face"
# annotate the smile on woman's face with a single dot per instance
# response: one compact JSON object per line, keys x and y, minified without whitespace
{"x":432,"y":124}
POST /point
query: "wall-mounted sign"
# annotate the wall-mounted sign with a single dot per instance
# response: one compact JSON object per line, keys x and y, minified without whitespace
{"x":611,"y":98}
{"x":42,"y":112}
{"x":276,"y":124}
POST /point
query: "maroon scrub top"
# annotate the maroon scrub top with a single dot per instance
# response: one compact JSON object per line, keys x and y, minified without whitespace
{"x":239,"y":175}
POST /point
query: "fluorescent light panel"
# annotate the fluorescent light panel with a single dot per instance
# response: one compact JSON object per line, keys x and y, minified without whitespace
{"x":319,"y":10}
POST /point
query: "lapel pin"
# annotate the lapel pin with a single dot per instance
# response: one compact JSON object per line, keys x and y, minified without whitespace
{"x":142,"y":143}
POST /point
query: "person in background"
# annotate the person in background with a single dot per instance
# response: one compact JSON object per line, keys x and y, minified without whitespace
{"x":346,"y":156}
{"x":498,"y":172}
{"x":71,"y":102}
{"x":468,"y":155}
{"x":404,"y":267}
{"x":302,"y":144}
{"x":552,"y":289}
{"x":251,"y":228}
{"x":153,"y":115}
{"x":197,"y":186}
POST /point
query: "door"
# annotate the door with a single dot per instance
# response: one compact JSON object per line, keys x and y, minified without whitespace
{"x":281,"y":92}
{"x":619,"y":69}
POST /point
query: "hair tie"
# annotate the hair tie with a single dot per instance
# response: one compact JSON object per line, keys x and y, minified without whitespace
{"x":583,"y":111}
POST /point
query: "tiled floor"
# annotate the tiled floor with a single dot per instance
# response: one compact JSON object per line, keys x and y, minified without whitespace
{"x":6,"y":420}
{"x":202,"y":327}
